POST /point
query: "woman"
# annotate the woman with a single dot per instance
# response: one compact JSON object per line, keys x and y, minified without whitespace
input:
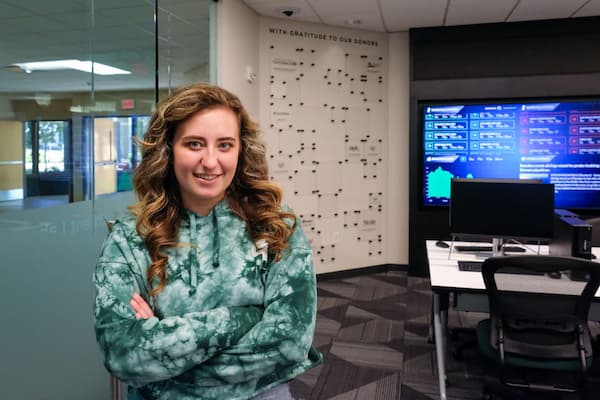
{"x":207,"y":291}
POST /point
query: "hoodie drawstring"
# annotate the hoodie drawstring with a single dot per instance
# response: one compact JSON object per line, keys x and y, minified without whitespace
{"x":194,"y":252}
{"x":216,"y":250}
{"x":194,"y":258}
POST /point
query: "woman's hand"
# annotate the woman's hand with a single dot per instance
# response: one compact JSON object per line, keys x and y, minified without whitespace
{"x":141,"y":308}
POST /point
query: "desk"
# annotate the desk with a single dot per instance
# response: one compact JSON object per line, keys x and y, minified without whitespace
{"x":469,"y":289}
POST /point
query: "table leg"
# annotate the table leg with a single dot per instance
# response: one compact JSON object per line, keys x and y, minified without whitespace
{"x":440,"y":348}
{"x":444,"y":322}
{"x":430,"y":334}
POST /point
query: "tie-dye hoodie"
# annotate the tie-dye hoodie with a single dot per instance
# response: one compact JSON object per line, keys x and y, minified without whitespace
{"x":230,"y":323}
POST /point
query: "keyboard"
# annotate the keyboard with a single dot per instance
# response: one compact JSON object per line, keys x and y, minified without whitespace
{"x":475,"y":266}
{"x":474,"y":249}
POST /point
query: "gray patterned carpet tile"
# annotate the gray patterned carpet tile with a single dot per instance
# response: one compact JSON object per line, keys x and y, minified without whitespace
{"x":373,"y":330}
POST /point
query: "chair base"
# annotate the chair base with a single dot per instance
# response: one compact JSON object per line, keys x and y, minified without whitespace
{"x":531,"y":384}
{"x":494,"y":389}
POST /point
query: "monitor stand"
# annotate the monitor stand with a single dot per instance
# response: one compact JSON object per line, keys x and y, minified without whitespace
{"x":497,"y":247}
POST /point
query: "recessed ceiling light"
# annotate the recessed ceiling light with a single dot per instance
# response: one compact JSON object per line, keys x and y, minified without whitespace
{"x":85,"y":66}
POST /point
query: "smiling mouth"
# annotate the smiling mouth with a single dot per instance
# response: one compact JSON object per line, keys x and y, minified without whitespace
{"x":206,"y":177}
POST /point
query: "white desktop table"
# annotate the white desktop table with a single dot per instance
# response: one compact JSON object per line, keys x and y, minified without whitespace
{"x":469,"y":290}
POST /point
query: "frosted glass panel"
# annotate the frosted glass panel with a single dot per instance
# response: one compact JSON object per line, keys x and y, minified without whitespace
{"x":47,"y":335}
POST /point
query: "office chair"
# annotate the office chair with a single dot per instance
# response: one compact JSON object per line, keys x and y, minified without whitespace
{"x":537,"y":341}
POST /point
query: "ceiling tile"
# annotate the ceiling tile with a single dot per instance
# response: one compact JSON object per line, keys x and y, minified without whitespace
{"x":368,"y":21}
{"x":73,"y":20}
{"x":193,"y":10}
{"x":335,"y":7}
{"x":10,"y":11}
{"x":589,"y":10}
{"x":528,"y":10}
{"x":405,"y":14}
{"x":128,"y":17}
{"x":38,"y":7}
{"x":115,"y":4}
{"x":34,"y":24}
{"x":466,"y":12}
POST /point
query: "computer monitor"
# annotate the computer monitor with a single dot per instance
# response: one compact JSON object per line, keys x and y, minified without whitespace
{"x":501,"y":209}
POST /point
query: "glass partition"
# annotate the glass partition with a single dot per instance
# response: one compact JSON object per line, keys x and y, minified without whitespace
{"x":71,"y":66}
{"x":79,"y":80}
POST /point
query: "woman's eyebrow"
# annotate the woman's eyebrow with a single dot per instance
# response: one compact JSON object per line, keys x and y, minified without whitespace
{"x":193,"y":136}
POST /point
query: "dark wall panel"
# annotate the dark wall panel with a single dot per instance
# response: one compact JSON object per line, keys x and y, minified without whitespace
{"x":522,"y":60}
{"x":517,"y":49}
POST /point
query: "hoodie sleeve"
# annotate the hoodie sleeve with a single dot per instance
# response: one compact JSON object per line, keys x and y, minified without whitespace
{"x":140,"y":351}
{"x":284,"y":335}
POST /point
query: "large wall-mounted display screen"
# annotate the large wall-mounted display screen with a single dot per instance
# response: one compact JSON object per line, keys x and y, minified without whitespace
{"x":555,"y":141}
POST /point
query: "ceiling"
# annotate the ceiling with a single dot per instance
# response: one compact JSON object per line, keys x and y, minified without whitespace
{"x":38,"y":30}
{"x":123,"y":37}
{"x":401,"y":15}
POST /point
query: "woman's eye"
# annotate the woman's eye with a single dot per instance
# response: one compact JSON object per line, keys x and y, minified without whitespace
{"x":194,"y":145}
{"x":225,"y":145}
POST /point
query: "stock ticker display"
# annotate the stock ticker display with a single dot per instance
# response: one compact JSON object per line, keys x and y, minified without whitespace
{"x":555,"y":142}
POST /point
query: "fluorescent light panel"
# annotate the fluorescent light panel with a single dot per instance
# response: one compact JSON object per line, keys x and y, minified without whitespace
{"x":85,"y":66}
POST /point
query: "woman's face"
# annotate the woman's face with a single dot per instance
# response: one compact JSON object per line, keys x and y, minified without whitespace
{"x":206,"y":147}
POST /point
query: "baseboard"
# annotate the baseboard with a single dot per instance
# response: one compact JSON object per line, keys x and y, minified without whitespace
{"x":11,"y":194}
{"x":349,"y":273}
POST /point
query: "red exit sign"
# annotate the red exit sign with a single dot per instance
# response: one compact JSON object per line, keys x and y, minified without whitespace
{"x":127,"y":104}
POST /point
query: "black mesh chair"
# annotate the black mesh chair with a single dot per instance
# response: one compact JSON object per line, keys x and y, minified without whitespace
{"x":537,"y":341}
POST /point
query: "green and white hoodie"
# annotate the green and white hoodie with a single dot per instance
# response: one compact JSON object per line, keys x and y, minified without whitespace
{"x":230,"y":323}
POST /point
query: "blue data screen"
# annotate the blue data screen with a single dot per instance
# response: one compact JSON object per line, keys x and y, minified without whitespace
{"x":556,"y":142}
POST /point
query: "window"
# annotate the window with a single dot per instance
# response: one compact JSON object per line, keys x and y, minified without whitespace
{"x":45,"y":149}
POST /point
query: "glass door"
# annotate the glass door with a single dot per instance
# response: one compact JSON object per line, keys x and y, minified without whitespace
{"x":47,"y":166}
{"x":115,"y":152}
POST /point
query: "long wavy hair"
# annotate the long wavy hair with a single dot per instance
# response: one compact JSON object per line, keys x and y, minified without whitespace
{"x":251,"y":196}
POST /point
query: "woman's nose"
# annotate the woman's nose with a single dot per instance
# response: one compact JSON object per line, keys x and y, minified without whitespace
{"x":209,"y":158}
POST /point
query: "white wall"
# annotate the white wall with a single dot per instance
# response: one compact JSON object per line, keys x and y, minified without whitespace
{"x":397,"y":200}
{"x":340,"y":240}
{"x":237,"y":49}
{"x":323,"y":108}
{"x":6,"y":108}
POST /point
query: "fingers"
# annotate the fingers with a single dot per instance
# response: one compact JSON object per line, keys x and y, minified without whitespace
{"x":140,"y":307}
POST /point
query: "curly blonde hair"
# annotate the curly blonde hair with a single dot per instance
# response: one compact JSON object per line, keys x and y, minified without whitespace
{"x":251,"y":195}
